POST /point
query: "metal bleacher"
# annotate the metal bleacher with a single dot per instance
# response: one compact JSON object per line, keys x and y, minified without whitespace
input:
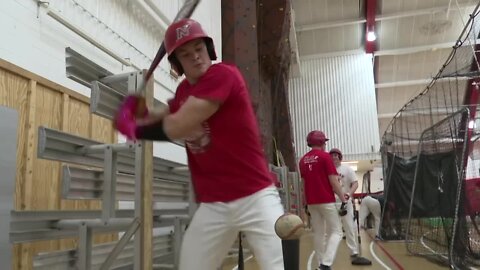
{"x":108,"y":173}
{"x":112,"y":173}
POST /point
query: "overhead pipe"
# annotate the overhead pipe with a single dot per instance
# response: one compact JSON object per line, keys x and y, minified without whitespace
{"x":59,"y":18}
{"x":157,"y":11}
{"x":152,"y":13}
{"x":85,"y":36}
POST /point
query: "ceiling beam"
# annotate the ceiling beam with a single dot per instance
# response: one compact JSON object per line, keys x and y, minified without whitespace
{"x":416,"y":49}
{"x":399,"y":51}
{"x":323,"y":25}
{"x":386,"y":115}
{"x":402,"y":14}
{"x":419,"y":112}
{"x":403,"y":83}
{"x":331,"y":54}
{"x":424,"y":82}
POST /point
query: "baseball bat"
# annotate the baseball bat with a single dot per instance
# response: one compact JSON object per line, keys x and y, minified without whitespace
{"x":343,"y":209}
{"x":240,"y":252}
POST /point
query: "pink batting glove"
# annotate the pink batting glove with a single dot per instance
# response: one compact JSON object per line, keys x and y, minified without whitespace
{"x":132,"y":107}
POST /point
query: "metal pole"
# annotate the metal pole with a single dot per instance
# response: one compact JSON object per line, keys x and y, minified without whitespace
{"x":177,"y":241}
{"x":100,"y":148}
{"x":138,"y":205}
{"x":120,"y":244}
{"x":114,"y":223}
{"x":84,"y":247}
{"x":122,"y":77}
{"x":291,"y":254}
{"x":109,"y":184}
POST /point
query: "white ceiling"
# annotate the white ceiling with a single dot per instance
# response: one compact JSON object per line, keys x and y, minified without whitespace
{"x":414,"y":37}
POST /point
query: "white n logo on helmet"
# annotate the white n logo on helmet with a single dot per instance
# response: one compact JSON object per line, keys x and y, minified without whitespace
{"x":183,"y":31}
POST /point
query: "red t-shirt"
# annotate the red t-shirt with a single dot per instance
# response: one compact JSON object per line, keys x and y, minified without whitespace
{"x":227,"y":162}
{"x":315,"y":167}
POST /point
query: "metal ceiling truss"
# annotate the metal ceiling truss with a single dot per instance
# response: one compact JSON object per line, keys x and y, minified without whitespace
{"x":383,"y":17}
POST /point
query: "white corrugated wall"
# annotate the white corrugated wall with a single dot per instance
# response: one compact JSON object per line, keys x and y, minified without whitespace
{"x":337,"y":95}
{"x":36,"y":41}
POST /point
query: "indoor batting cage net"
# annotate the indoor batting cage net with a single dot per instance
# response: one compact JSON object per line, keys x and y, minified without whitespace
{"x":431,"y":161}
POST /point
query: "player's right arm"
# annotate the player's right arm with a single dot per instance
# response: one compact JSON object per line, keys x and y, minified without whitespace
{"x":337,"y":188}
{"x":154,"y":116}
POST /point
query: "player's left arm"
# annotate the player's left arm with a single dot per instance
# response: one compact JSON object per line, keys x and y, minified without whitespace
{"x":189,"y":117}
{"x":354,"y":183}
{"x":353,"y":188}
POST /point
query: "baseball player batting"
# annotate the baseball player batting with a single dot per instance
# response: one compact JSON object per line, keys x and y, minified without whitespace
{"x":212,"y":112}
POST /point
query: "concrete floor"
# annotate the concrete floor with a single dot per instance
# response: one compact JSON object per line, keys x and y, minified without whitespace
{"x":384,"y":255}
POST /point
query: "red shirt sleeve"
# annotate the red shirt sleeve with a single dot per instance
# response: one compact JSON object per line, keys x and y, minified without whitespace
{"x":172,"y":105}
{"x":331,"y":169}
{"x":217,"y":83}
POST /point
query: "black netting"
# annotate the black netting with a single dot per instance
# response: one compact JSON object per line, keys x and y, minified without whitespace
{"x":434,"y":210}
{"x":432,"y":162}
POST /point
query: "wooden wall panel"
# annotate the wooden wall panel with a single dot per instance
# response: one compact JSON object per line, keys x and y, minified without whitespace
{"x":30,"y":145}
{"x":44,"y":193}
{"x":46,"y":173}
{"x":102,"y":129}
{"x":40,"y":102}
{"x":13,"y":94}
{"x":76,"y":121}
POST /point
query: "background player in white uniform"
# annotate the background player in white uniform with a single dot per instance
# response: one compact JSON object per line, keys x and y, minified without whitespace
{"x":372,"y":204}
{"x":349,"y":183}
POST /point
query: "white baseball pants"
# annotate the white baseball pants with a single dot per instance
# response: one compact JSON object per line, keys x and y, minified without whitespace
{"x":215,"y":226}
{"x":370,"y":205}
{"x":327,"y":231}
{"x":350,"y":228}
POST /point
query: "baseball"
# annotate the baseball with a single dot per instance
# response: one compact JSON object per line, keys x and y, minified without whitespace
{"x":289,"y":226}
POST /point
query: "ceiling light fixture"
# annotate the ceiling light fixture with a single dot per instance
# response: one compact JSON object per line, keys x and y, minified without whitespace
{"x":371,"y":36}
{"x":471,"y":124}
